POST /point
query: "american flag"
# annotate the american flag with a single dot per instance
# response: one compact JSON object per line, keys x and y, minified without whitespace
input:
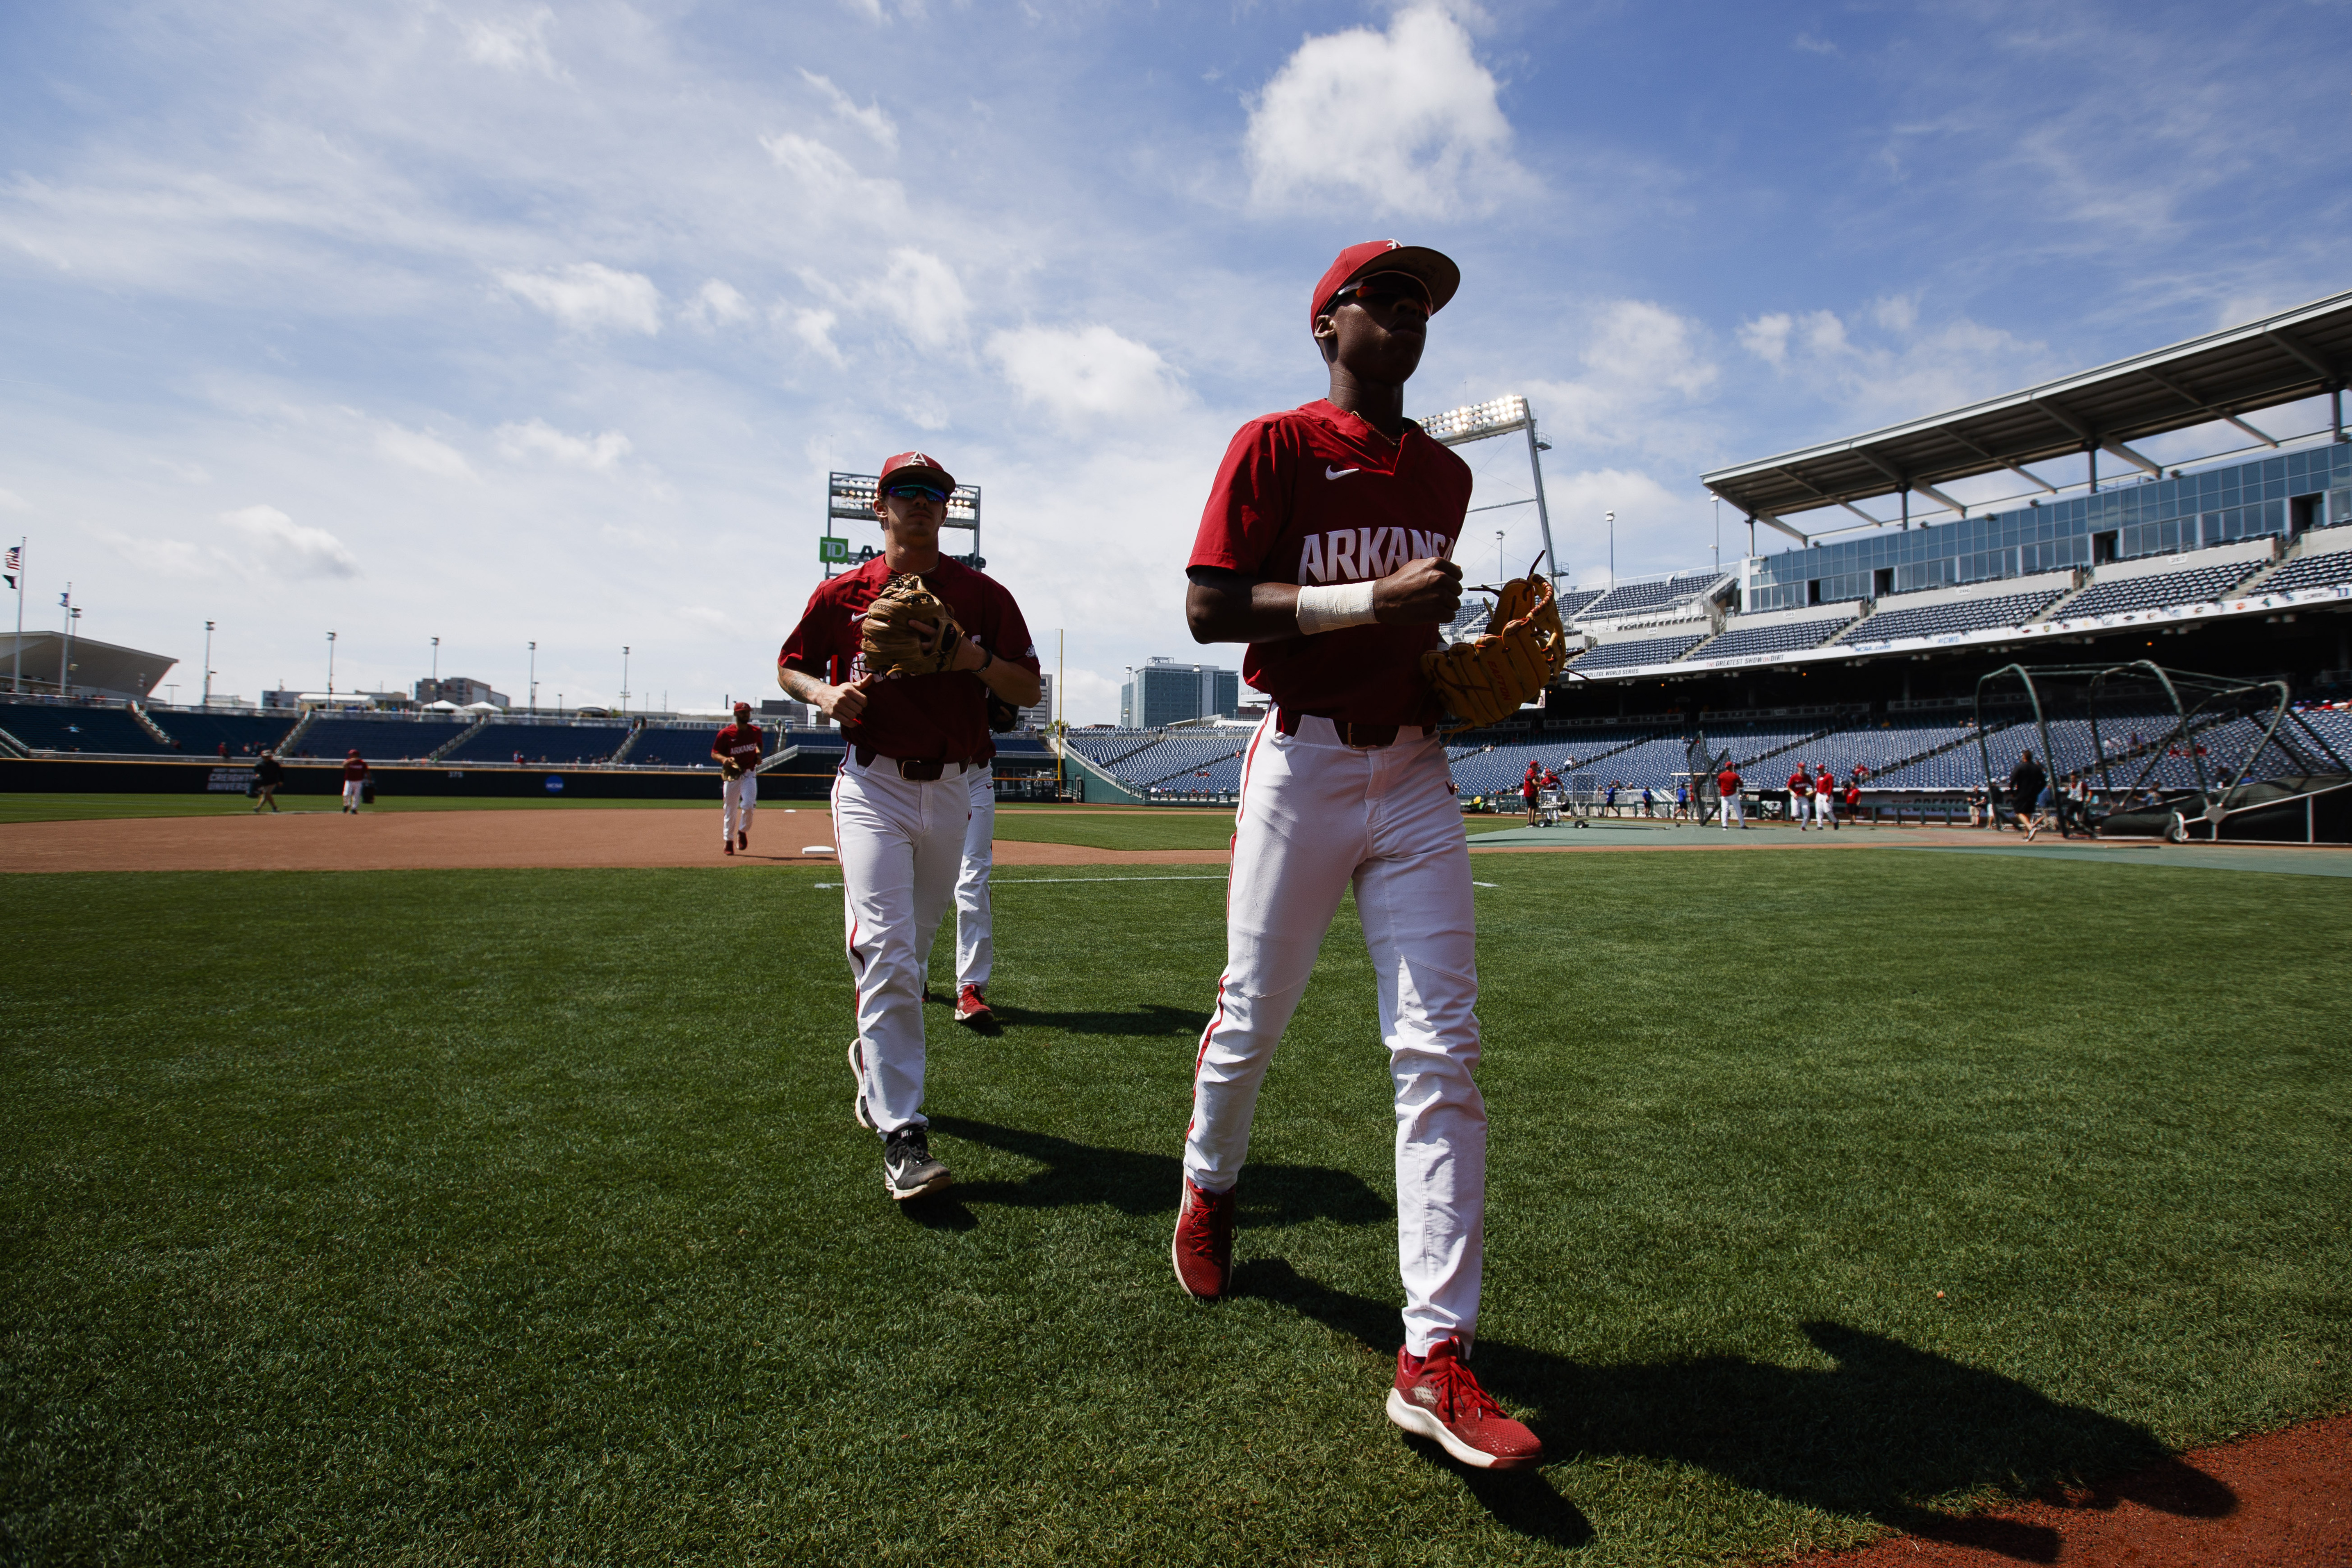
{"x":16,"y":563}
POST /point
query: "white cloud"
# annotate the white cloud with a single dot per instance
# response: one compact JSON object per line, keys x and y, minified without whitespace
{"x":831,"y":184}
{"x":277,"y":543}
{"x":536,"y":437}
{"x":1086,"y":371}
{"x":871,"y":119}
{"x":587,"y":295}
{"x":1808,"y":44}
{"x":815,"y":328}
{"x":1411,"y":113}
{"x":1645,"y":370}
{"x":716,"y":303}
{"x":1896,"y":369}
{"x":515,"y":46}
{"x":421,"y":451}
{"x":922,"y":294}
{"x":1766,"y":337}
{"x":11,"y":501}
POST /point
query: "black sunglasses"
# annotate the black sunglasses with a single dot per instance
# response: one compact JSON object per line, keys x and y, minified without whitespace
{"x":931,"y":493}
{"x":1385,"y":289}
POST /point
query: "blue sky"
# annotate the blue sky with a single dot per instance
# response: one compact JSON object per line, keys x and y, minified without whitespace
{"x":513,"y":323}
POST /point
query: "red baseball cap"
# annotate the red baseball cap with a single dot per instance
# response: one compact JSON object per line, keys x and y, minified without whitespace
{"x":908,"y":467}
{"x":1432,"y":268}
{"x":742,"y":708}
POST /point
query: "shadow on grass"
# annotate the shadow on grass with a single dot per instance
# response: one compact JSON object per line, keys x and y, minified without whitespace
{"x":1151,"y":1018}
{"x":1887,"y":1425}
{"x":1272,"y":1194}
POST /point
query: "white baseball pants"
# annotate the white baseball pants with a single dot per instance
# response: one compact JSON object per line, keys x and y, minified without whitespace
{"x":1824,"y":810}
{"x":976,"y":941}
{"x":351,"y":792}
{"x":1733,"y":811}
{"x":737,"y":797}
{"x":900,"y":843}
{"x":1315,"y":817}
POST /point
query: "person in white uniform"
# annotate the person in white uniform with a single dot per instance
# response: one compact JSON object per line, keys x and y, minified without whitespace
{"x":737,"y":750}
{"x":1325,"y":546}
{"x":902,"y":803}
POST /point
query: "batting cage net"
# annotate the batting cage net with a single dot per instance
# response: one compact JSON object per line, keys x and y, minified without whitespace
{"x":2140,"y":749}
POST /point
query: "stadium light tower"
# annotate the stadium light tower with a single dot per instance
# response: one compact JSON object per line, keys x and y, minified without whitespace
{"x":208,"y":664}
{"x":436,"y":667}
{"x":1501,"y":416}
{"x":330,"y":664}
{"x":534,"y":678}
{"x":624,"y":678}
{"x":1612,"y":549}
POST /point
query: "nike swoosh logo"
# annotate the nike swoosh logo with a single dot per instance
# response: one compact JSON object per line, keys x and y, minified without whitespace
{"x":1331,"y":473}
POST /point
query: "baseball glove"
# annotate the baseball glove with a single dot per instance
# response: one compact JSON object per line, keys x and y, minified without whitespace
{"x":890,"y":639}
{"x":1523,"y":647}
{"x":730,"y":771}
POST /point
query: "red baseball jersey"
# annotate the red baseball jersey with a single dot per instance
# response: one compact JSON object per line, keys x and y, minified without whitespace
{"x":1799,"y":785}
{"x":1314,"y":496}
{"x":353,"y":768}
{"x":920,"y":715}
{"x":1727,"y":782}
{"x":740,"y":743}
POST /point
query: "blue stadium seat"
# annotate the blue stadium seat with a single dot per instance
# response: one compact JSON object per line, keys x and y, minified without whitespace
{"x":2129,"y":594}
{"x":1642,"y":650}
{"x":66,"y":727}
{"x":386,"y":740}
{"x":1892,"y":621}
{"x":1789,"y":637}
{"x":2312,"y":572}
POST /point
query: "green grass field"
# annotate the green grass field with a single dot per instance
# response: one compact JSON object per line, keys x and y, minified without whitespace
{"x":518,"y":1216}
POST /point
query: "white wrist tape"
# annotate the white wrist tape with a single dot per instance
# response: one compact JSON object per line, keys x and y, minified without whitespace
{"x":1328,"y":609}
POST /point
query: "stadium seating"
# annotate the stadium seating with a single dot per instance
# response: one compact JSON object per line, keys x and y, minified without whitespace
{"x":1104,"y":747}
{"x":1574,"y":602}
{"x":1942,"y":620}
{"x":203,"y":734}
{"x":1176,"y":761}
{"x":1787,"y":638}
{"x":2206,"y":583}
{"x":1632,"y":598}
{"x":2312,"y":572}
{"x":63,"y":727}
{"x":378,"y":740}
{"x":1641,"y":651}
{"x":568,"y":744}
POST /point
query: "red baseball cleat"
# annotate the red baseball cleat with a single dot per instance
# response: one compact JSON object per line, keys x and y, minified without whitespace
{"x":1203,"y":1248}
{"x":971,"y":1007}
{"x":742,"y":838}
{"x":1436,"y":1397}
{"x":726,"y":849}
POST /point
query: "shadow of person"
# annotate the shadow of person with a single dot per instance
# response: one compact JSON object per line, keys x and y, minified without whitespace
{"x":1271,"y":1195}
{"x":1884,"y":1427}
{"x":1151,"y":1018}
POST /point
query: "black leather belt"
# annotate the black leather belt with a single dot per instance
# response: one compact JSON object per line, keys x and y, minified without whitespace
{"x":917,"y":769}
{"x":1362,"y":737}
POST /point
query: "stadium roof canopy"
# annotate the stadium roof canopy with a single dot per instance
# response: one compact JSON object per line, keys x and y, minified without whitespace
{"x":100,"y":669}
{"x":2278,"y":359}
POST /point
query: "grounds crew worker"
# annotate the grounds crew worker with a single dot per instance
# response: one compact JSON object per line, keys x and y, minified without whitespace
{"x":903,"y":798}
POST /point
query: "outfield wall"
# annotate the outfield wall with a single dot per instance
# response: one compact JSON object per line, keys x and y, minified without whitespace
{"x":176,"y":776}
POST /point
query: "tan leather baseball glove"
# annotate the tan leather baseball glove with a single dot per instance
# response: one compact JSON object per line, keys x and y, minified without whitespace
{"x":890,"y":638}
{"x":730,"y":771}
{"x":1523,"y":647}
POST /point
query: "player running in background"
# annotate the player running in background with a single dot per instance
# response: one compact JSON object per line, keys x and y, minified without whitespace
{"x":903,"y":798}
{"x":1825,"y":796}
{"x":1325,"y":546}
{"x":1801,"y":796}
{"x":356,"y":772}
{"x":737,"y":750}
{"x":1727,"y":785}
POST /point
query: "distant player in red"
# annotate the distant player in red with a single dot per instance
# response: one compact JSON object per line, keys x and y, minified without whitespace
{"x":903,"y":799}
{"x":1853,"y":798}
{"x":1727,"y":785}
{"x":737,"y":750}
{"x":1801,"y":796}
{"x":1326,"y":546}
{"x":355,"y":772}
{"x":1527,"y":788}
{"x":1825,"y":796}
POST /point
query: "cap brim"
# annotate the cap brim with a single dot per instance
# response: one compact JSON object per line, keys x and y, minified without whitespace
{"x":1433,"y":267}
{"x":913,"y":473}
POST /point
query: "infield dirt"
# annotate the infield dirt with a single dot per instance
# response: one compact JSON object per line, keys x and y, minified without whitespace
{"x":501,"y":840}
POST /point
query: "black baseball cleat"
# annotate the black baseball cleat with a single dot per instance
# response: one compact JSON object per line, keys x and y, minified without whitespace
{"x":857,"y":1098}
{"x":908,"y":1169}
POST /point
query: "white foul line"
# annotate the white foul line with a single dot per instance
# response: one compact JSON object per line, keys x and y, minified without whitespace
{"x":1035,"y":881}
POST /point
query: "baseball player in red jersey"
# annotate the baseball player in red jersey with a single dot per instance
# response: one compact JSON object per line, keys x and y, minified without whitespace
{"x":1528,"y":786}
{"x":903,"y":798}
{"x":736,"y":748}
{"x":1325,"y":546}
{"x":1801,"y":796}
{"x":356,"y":772}
{"x":1727,"y":785}
{"x":1825,"y":796}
